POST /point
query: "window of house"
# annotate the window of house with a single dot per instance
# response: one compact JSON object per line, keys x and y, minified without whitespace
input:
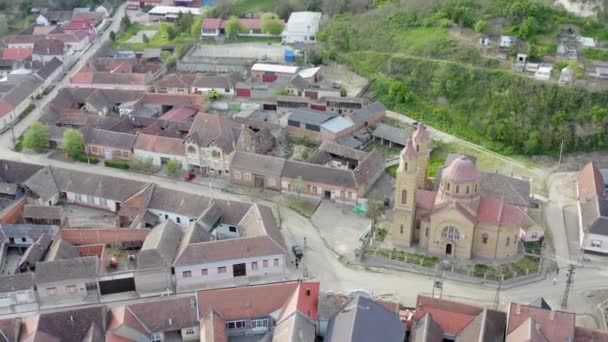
{"x":534,"y":235}
{"x":265,"y":263}
{"x":457,"y":188}
{"x":178,"y":219}
{"x":467,"y":190}
{"x":403,"y":196}
{"x":247,"y":176}
{"x":23,"y":239}
{"x":5,"y":300}
{"x":475,"y":188}
{"x":450,"y":233}
{"x":191,"y":149}
{"x":156,"y":337}
{"x":103,"y":202}
{"x":417,"y":224}
{"x":254,"y":265}
{"x":166,"y":217}
{"x":71,"y":289}
{"x":259,"y":323}
{"x":448,"y":186}
{"x":341,"y":193}
{"x":221,"y":269}
{"x":91,"y":199}
{"x":596,"y":243}
{"x":235,"y":325}
{"x":237,"y":175}
{"x":508,"y":241}
{"x":276,"y":262}
{"x":51,"y":291}
{"x":232,"y":229}
{"x":417,"y":148}
{"x":189,"y":331}
{"x":314,"y":189}
{"x":484,"y":238}
{"x":204,"y":272}
{"x":215,"y":154}
{"x":187,"y":274}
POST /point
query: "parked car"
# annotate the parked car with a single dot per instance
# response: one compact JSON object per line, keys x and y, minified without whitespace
{"x":298,"y":251}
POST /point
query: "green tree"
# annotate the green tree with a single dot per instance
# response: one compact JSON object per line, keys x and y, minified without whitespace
{"x":171,"y":32}
{"x":125,"y":22}
{"x":271,"y":24}
{"x":481,"y":26}
{"x":213,"y":95}
{"x":343,"y":92}
{"x":195,"y":29}
{"x":171,"y":166}
{"x":73,"y":143}
{"x":142,"y":164}
{"x":297,"y":185}
{"x":36,"y":137}
{"x":375,"y":209}
{"x":233,"y":27}
{"x":112,"y":36}
{"x":528,"y":28}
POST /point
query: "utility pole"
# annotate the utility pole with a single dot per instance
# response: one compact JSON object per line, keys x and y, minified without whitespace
{"x":497,"y":296}
{"x":569,"y":281}
{"x":561,"y":150}
{"x":438,"y":280}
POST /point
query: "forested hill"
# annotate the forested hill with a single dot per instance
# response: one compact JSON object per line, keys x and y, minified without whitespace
{"x":419,"y":69}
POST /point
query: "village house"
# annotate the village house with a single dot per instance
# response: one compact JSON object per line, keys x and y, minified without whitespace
{"x":274,"y":309}
{"x":175,"y":83}
{"x":261,"y":72}
{"x":105,"y":8}
{"x":86,"y":324}
{"x":16,"y":94}
{"x":30,"y":241}
{"x":67,"y":281}
{"x":593,"y":209}
{"x":159,"y":320}
{"x":205,"y":84}
{"x":301,"y":27}
{"x":316,"y":125}
{"x":46,"y":50}
{"x":54,"y":18}
{"x":462,"y":216}
{"x":170,"y":13}
{"x":255,"y":170}
{"x":162,"y":141}
{"x":17,"y":293}
{"x":213,"y":139}
{"x":45,"y":215}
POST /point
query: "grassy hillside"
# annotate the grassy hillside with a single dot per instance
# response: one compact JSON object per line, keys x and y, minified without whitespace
{"x":417,"y":68}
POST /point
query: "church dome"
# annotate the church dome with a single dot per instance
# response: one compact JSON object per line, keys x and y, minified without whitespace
{"x":462,"y":169}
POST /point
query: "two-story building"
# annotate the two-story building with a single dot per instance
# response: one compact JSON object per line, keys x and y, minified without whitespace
{"x":67,"y":280}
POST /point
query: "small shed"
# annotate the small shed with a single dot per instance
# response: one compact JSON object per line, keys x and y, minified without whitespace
{"x":566,"y":76}
{"x":289,"y":56}
{"x":393,"y":136}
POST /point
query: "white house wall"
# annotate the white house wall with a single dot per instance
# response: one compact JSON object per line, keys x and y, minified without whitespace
{"x":179,"y":219}
{"x":156,"y":157}
{"x":97,"y":201}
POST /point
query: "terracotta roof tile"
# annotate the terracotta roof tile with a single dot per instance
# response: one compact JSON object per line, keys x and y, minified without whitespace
{"x":590,"y":182}
{"x":16,"y":54}
{"x":555,"y":325}
{"x":452,"y":317}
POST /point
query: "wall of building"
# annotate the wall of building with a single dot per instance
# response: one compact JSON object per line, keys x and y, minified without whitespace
{"x":114,"y":237}
{"x":91,"y":201}
{"x":197,"y":279}
{"x":502,"y":241}
{"x":221,"y":91}
{"x":8,"y":299}
{"x":62,"y":294}
{"x":156,"y":157}
{"x":100,"y":151}
{"x":461,"y":248}
{"x":246,"y":178}
{"x":179,"y":219}
{"x":317,"y":190}
{"x":12,"y":213}
{"x":595,"y":243}
{"x":203,"y":157}
{"x":153,"y":282}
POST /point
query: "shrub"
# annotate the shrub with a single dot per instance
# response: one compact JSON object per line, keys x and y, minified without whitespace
{"x":116,"y":164}
{"x":36,"y":137}
{"x":73,"y":143}
{"x":171,"y":166}
{"x":87,"y":159}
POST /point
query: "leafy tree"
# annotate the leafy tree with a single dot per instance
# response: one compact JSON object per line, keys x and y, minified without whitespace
{"x":73,"y":143}
{"x":297,"y":185}
{"x":125,"y":22}
{"x":222,"y":9}
{"x":213,"y":95}
{"x":171,"y":32}
{"x":171,"y":166}
{"x":233,"y":27}
{"x":528,"y":28}
{"x":481,"y":26}
{"x":195,"y":29}
{"x":36,"y":137}
{"x":271,"y":24}
{"x":142,"y":164}
{"x":343,"y":92}
{"x":184,"y":22}
{"x":112,"y":36}
{"x":375,"y":209}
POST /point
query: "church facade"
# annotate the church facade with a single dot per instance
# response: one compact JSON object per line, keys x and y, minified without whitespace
{"x":464,"y":214}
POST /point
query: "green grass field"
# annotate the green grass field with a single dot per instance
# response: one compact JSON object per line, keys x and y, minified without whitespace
{"x":241,"y":7}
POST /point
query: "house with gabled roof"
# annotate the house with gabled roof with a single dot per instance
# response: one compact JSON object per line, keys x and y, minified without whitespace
{"x":593,"y":209}
{"x":17,"y":293}
{"x":78,"y":325}
{"x":271,"y":311}
{"x":67,"y":280}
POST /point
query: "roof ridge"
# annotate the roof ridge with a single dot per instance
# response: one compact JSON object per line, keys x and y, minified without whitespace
{"x":128,"y":307}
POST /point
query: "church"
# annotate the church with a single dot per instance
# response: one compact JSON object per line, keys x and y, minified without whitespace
{"x":465,"y":214}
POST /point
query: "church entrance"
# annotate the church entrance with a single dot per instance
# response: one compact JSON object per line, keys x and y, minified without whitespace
{"x":448,"y":249}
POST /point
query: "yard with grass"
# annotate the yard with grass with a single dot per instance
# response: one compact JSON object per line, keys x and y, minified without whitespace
{"x":302,"y":206}
{"x":160,"y":39}
{"x":242,"y":7}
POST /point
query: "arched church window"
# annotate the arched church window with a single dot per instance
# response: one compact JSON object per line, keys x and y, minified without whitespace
{"x":191,"y":149}
{"x":475,"y":188}
{"x":403,"y":196}
{"x":448,"y":186}
{"x":467,"y":190}
{"x":450,"y":233}
{"x":418,"y":148}
{"x":401,"y":229}
{"x":508,"y":241}
{"x":405,"y":166}
{"x":484,"y":237}
{"x":457,"y":188}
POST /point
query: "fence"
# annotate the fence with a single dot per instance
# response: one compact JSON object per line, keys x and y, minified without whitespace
{"x":452,"y":273}
{"x":116,"y":237}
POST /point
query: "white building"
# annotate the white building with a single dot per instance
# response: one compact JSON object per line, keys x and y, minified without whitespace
{"x":170,"y":13}
{"x":544,"y":72}
{"x":301,"y":27}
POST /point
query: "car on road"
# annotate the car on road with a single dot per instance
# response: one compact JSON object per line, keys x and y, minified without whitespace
{"x":298,"y":251}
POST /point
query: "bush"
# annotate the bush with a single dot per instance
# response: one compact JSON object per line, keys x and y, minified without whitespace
{"x":116,"y":164}
{"x":36,"y":137}
{"x":87,"y":159}
{"x":141,"y":164}
{"x":73,"y":143}
{"x":171,"y":166}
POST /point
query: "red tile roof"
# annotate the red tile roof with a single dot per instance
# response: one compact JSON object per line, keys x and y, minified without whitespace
{"x":452,"y":317}
{"x":555,"y":325}
{"x":590,"y":182}
{"x":5,"y":108}
{"x":78,"y":24}
{"x":179,"y":114}
{"x":495,"y":210}
{"x":260,"y":300}
{"x":462,"y":169}
{"x":16,"y":54}
{"x":173,"y":99}
{"x":212,"y":23}
{"x":585,"y":335}
{"x":425,"y":199}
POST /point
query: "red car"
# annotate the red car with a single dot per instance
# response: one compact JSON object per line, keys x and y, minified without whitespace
{"x":190,"y":176}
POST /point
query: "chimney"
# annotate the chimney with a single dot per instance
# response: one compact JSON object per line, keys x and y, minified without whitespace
{"x":518,"y":309}
{"x":552,"y":315}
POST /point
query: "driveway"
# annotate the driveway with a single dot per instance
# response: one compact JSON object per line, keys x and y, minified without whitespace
{"x":340,"y":226}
